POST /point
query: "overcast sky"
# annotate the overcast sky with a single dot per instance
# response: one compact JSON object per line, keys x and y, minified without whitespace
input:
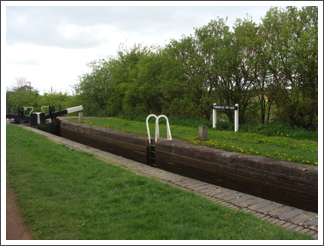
{"x":51,"y":45}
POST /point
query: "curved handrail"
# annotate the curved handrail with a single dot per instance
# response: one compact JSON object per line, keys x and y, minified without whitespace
{"x":148,"y":128}
{"x":157,"y":130}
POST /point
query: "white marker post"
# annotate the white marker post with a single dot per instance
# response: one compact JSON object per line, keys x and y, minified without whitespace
{"x":236,"y":113}
{"x":214,"y":117}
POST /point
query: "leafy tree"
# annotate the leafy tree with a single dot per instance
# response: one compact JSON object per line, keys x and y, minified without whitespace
{"x":293,"y":44}
{"x":94,"y":88}
{"x":22,"y":98}
{"x":143,"y":95}
{"x":191,"y":87}
{"x":228,"y":75}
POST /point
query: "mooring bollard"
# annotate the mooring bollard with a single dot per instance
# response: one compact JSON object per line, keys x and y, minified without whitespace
{"x":80,"y":116}
{"x":203,"y":133}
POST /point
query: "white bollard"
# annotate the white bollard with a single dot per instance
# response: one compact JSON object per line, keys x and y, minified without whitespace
{"x":214,"y":117}
{"x":236,"y":123}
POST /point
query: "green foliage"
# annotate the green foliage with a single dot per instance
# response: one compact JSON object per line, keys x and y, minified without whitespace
{"x":293,"y":132}
{"x":27,"y":98}
{"x":22,"y":98}
{"x":293,"y":42}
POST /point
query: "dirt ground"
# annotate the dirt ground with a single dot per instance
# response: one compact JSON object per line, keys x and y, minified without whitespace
{"x":15,"y":229}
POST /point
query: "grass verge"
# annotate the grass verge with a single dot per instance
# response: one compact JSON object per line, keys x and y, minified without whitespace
{"x":69,"y":195}
{"x":278,"y":145}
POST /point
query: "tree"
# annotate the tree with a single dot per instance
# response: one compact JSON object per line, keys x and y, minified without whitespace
{"x":191,"y":88}
{"x":227,"y":74}
{"x":144,"y":95}
{"x":293,"y":45}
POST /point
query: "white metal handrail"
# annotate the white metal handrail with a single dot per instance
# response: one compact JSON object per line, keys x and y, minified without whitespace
{"x":148,"y":128}
{"x":157,"y":130}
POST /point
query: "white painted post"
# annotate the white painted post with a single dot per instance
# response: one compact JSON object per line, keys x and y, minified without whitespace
{"x":236,"y":123}
{"x":214,"y":117}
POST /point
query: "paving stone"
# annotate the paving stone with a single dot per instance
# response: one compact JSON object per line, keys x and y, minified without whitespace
{"x":203,"y":187}
{"x":234,"y":196}
{"x":280,"y":211}
{"x":197,"y":185}
{"x":304,"y":217}
{"x":260,"y":204}
{"x":153,"y":171}
{"x":298,"y":228}
{"x":149,"y":168}
{"x":315,"y":236}
{"x":178,"y":179}
{"x":166,"y":176}
{"x":193,"y":184}
{"x":292,"y":226}
{"x":275,"y":221}
{"x":160,"y":174}
{"x":143,"y":169}
{"x":259,"y":215}
{"x":210,"y":189}
{"x":218,"y":191}
{"x":271,"y":219}
{"x":280,"y":223}
{"x":305,"y":230}
{"x":217,"y":200}
{"x":246,"y":210}
{"x":265,"y":217}
{"x":270,"y":207}
{"x":246,"y":201}
{"x":286,"y":224}
{"x":311,"y":232}
{"x":313,"y":227}
{"x":173,"y":180}
{"x":291,"y":214}
{"x":177,"y":176}
{"x":224,"y":194}
{"x":184,"y":181}
{"x":313,"y":222}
